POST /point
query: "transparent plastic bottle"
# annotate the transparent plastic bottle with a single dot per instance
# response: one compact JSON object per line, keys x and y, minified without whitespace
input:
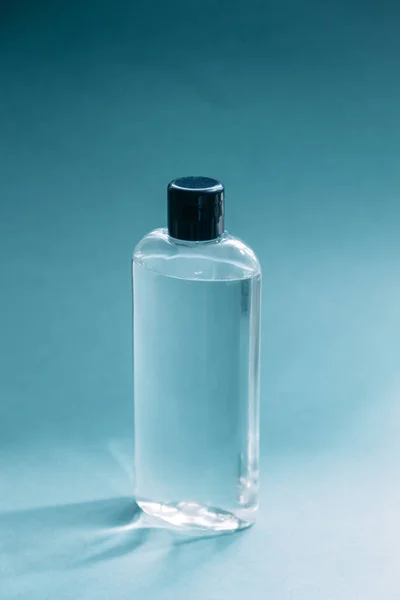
{"x":197,"y":293}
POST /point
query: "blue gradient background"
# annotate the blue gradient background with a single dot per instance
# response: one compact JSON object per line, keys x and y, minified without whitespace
{"x":295,"y":106}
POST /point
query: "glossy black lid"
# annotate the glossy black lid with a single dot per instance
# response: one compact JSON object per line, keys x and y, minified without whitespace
{"x":195,"y":208}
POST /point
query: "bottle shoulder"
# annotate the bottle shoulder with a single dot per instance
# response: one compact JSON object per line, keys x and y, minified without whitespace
{"x":227,"y":257}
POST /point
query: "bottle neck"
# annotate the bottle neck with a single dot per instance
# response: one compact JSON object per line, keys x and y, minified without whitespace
{"x":196,"y":243}
{"x":208,"y":228}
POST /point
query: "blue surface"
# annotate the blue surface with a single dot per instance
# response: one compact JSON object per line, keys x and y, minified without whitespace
{"x":295,"y":107}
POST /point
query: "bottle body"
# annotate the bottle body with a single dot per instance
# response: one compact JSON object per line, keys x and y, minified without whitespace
{"x":196,"y":380}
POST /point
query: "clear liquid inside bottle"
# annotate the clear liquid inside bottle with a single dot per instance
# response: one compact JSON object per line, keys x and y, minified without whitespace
{"x":196,"y":381}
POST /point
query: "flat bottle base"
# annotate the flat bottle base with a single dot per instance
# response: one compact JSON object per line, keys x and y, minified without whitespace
{"x":190,"y":515}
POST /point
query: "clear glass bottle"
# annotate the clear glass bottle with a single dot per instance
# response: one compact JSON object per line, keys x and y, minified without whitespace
{"x":197,"y":293}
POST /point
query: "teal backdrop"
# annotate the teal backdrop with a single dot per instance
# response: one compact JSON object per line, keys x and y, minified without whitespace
{"x":295,"y":107}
